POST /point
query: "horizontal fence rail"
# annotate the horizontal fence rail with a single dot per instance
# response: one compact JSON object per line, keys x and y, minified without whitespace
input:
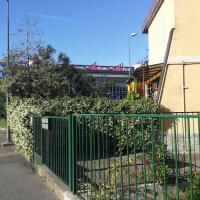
{"x":123,"y":156}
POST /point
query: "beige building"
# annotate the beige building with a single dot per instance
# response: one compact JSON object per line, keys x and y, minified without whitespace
{"x":173,"y":28}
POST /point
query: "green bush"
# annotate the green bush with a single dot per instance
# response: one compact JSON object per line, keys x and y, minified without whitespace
{"x":19,"y":111}
{"x":3,"y":123}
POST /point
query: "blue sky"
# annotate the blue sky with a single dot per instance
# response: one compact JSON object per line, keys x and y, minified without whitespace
{"x":86,"y":30}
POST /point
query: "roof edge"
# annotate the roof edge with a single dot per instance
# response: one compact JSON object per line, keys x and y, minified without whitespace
{"x":151,"y":15}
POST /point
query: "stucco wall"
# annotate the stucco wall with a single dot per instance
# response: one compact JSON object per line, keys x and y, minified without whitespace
{"x":186,"y":39}
{"x":159,"y":32}
{"x":173,"y":95}
{"x":184,"y":15}
{"x":192,"y":79}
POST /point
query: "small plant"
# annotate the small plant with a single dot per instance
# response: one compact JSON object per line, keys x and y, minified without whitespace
{"x":2,"y":123}
{"x":133,"y":97}
{"x":196,"y":187}
{"x":159,"y":158}
{"x":110,"y":188}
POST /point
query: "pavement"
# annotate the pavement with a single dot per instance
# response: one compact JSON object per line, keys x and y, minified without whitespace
{"x":17,"y":180}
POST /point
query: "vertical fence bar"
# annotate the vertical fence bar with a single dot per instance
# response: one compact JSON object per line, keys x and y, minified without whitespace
{"x":73,"y":139}
{"x":183,"y":141}
{"x":103,"y":140}
{"x":34,"y":139}
{"x":59,"y":146}
{"x":76,"y":152}
{"x":91,"y":157}
{"x":87,"y":157}
{"x":70,"y":150}
{"x":128,"y":162}
{"x":101,"y":178}
{"x":94,"y":153}
{"x":176,"y":159}
{"x":153,"y":158}
{"x":115,"y":169}
{"x":56,"y":146}
{"x":82,"y":150}
{"x":50,"y":145}
{"x":108,"y":159}
{"x":143,"y":159}
{"x":42,"y":147}
{"x":190,"y":160}
{"x":135,"y":161}
{"x":82,"y":187}
{"x":164,"y":159}
{"x":177,"y":138}
{"x":99,"y":155}
{"x":62,"y":149}
{"x":121,"y":164}
{"x":194,"y":144}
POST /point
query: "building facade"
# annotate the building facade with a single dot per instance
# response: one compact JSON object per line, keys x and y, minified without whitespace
{"x":174,"y":44}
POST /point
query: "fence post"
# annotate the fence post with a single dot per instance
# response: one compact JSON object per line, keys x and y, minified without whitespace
{"x":44,"y":128}
{"x":32,"y":124}
{"x":36,"y":124}
{"x":74,"y":154}
{"x":71,"y":154}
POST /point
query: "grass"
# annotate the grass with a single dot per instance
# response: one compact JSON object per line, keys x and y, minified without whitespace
{"x":3,"y":123}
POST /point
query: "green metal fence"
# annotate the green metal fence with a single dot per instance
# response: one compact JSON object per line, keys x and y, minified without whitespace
{"x":123,"y":156}
{"x":53,"y":144}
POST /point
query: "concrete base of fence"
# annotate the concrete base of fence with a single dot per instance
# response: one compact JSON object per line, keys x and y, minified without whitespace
{"x":7,"y":144}
{"x":57,"y":186}
{"x":183,"y":143}
{"x":3,"y":129}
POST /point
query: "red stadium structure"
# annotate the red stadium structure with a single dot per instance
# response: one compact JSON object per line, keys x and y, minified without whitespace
{"x":95,"y":67}
{"x":112,"y":78}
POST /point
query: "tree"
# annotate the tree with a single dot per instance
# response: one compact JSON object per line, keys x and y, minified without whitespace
{"x":34,"y":71}
{"x":45,"y":76}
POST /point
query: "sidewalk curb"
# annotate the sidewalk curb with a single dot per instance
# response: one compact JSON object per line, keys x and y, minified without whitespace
{"x":60,"y":190}
{"x":3,"y":129}
{"x":55,"y":184}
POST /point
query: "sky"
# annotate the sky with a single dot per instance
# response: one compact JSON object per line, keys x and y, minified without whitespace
{"x":87,"y":31}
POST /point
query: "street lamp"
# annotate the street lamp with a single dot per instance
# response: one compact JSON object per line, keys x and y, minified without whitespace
{"x":132,"y":35}
{"x":8,"y":134}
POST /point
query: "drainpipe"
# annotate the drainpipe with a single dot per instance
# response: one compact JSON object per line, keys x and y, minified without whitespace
{"x":184,"y":88}
{"x":184,"y":110}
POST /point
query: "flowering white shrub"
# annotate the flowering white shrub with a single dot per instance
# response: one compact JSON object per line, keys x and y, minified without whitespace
{"x":19,"y":112}
{"x":18,"y":116}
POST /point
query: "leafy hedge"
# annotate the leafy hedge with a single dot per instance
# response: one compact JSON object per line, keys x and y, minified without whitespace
{"x":19,"y":111}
